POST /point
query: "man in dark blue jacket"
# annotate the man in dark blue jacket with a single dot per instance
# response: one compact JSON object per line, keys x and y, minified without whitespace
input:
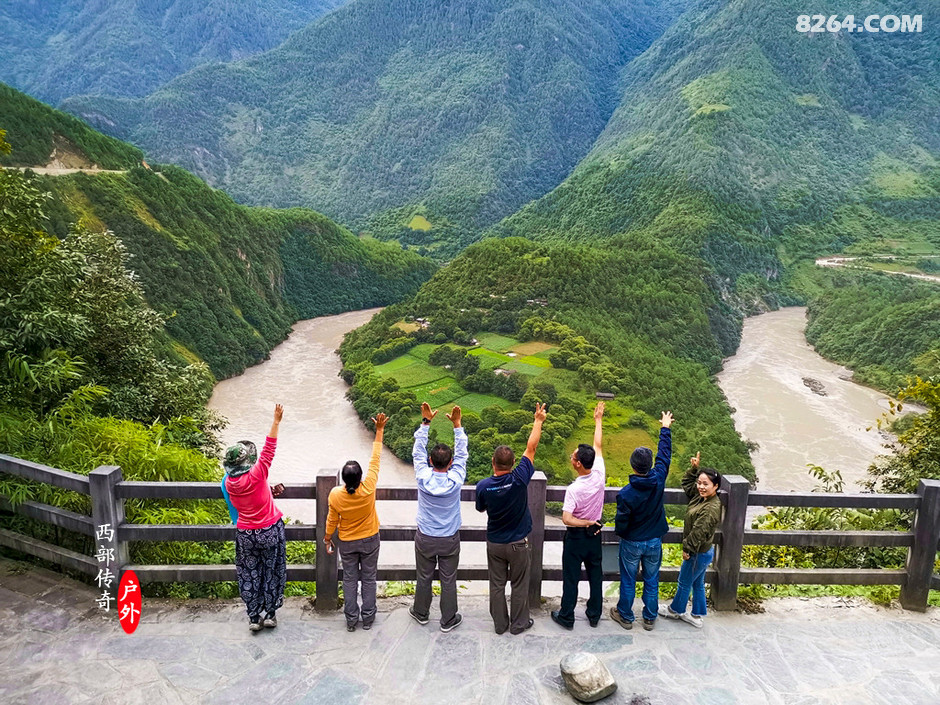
{"x":641,"y":524}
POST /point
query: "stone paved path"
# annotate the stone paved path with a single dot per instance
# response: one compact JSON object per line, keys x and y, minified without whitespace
{"x":57,"y":647}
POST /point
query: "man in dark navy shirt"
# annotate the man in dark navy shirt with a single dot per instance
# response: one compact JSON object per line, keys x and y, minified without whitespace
{"x":641,"y":525}
{"x":504,"y":496}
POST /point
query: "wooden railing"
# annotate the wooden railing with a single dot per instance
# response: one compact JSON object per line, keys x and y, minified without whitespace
{"x":108,"y":492}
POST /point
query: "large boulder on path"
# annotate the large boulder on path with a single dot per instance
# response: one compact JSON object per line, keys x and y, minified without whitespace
{"x":586,"y":677}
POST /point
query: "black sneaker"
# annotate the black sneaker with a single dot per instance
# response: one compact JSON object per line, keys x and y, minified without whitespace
{"x":619,"y":618}
{"x":453,"y":625}
{"x":418,"y":618}
{"x":366,"y":626}
{"x":270,"y":621}
{"x":254,"y":623}
{"x":593,"y":622}
{"x":527,"y":626}
{"x":350,"y":627}
{"x":557,"y":620}
{"x":648,"y":624}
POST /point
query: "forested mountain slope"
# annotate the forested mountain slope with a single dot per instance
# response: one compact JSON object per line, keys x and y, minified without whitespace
{"x":231,"y":278}
{"x":470,"y":107}
{"x":734,"y":130}
{"x":59,"y":48}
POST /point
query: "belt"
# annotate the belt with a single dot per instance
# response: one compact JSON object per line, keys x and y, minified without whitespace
{"x":581,"y":530}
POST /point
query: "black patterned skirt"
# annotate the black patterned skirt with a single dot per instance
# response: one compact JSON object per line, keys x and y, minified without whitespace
{"x":261,"y":567}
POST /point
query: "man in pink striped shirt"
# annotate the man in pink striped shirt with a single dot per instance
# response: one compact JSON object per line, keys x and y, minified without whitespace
{"x":581,"y":513}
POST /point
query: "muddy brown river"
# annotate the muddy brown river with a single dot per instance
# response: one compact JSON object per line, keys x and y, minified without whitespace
{"x":800,"y":408}
{"x":792,"y":424}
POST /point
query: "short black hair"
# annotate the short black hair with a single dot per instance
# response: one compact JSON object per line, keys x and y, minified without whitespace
{"x":441,"y":455}
{"x":503,"y":457}
{"x":352,"y":476}
{"x":585,"y":455}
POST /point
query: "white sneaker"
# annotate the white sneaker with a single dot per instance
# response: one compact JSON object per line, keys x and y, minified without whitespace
{"x":692,"y":619}
{"x":667,"y":612}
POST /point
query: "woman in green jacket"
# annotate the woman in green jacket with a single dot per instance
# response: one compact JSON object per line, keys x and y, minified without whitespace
{"x":701,"y":485}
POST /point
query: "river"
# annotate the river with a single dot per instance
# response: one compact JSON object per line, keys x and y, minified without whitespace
{"x":793,"y":425}
{"x":763,"y":381}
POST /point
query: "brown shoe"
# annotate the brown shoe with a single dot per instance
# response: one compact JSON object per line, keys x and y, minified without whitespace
{"x":619,"y":618}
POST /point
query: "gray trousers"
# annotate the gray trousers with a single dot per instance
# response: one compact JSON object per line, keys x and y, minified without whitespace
{"x":360,"y":564}
{"x":509,"y":561}
{"x":443,"y":553}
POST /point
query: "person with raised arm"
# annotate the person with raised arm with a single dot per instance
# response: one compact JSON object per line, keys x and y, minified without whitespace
{"x":698,"y":542}
{"x":352,"y":514}
{"x":581,"y":514}
{"x":260,"y":546}
{"x":504,"y":496}
{"x":440,"y":476}
{"x":641,"y":525}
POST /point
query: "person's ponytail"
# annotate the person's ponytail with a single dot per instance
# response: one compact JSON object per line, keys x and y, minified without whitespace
{"x":352,"y":476}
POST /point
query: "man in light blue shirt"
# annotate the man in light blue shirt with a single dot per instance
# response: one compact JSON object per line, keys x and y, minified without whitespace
{"x":440,"y":476}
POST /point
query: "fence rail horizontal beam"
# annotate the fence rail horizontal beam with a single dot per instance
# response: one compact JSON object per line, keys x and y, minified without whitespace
{"x":831,"y":538}
{"x":203,"y":532}
{"x":43,"y":473}
{"x":860,"y":500}
{"x":822,"y":576}
{"x":48,"y":552}
{"x":132,"y":489}
{"x":57,"y":516}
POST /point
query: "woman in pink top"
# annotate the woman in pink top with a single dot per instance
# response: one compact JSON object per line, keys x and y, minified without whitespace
{"x":260,"y":547}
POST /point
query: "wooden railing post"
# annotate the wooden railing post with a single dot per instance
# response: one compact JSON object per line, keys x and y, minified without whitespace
{"x":728,"y":565}
{"x":327,"y":571}
{"x":922,"y":555}
{"x":107,"y":513}
{"x":537,"y":489}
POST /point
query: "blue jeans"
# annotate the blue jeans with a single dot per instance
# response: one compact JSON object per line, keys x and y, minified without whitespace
{"x":692,"y":578}
{"x":632,"y":554}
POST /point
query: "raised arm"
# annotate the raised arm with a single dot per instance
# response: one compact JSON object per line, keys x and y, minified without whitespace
{"x":691,"y":475}
{"x":598,"y":426}
{"x":372,"y":476}
{"x":536,"y":434}
{"x":458,"y":469}
{"x":261,"y":468}
{"x":419,"y":453}
{"x":278,"y":415}
{"x":664,"y":451}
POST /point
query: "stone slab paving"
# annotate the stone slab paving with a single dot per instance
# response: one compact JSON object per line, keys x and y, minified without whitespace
{"x":57,"y":647}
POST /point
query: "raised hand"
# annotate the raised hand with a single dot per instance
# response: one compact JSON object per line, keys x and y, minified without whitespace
{"x":599,"y":410}
{"x":696,"y":460}
{"x":278,"y":413}
{"x":540,"y":413}
{"x":454,"y":416}
{"x":426,"y":411}
{"x":666,"y":420}
{"x":379,"y":421}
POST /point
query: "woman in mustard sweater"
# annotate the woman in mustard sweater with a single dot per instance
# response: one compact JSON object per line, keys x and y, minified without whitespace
{"x":352,"y":513}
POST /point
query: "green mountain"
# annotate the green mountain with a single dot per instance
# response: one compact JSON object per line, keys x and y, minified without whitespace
{"x":231,"y":278}
{"x":469,"y":108}
{"x":739,"y":139}
{"x":57,"y":49}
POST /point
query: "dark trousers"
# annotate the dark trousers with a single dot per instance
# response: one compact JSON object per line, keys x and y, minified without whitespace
{"x":443,"y":553}
{"x":360,"y":559}
{"x":581,"y":546}
{"x":261,"y":567}
{"x":509,"y":561}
